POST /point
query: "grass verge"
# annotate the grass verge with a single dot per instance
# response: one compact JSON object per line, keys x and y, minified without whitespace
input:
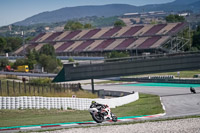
{"x":146,"y":105}
{"x":183,"y":74}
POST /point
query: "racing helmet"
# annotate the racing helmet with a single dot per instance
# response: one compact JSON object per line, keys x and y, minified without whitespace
{"x":93,"y":102}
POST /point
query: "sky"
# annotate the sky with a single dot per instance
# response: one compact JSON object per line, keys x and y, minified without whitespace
{"x":12,"y":11}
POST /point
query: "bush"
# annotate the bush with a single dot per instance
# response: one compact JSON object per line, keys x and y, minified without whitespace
{"x":40,"y":81}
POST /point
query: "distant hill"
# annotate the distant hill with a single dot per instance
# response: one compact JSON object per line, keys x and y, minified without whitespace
{"x":67,"y":13}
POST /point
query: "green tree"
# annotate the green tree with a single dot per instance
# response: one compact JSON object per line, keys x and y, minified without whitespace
{"x":174,"y":18}
{"x":196,"y":38}
{"x":3,"y":44}
{"x":76,"y":26}
{"x":70,"y":60}
{"x":72,"y":25}
{"x":119,"y":23}
{"x":68,"y":25}
{"x":13,"y":43}
{"x":31,"y":59}
{"x":87,"y":26}
{"x":4,"y":62}
{"x":48,"y":49}
{"x":49,"y":63}
{"x":20,"y":62}
{"x":115,"y":54}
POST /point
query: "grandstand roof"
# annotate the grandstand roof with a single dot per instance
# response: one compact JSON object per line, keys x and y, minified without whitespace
{"x":145,"y":36}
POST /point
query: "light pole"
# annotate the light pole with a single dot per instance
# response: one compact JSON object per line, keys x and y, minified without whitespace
{"x":23,"y":43}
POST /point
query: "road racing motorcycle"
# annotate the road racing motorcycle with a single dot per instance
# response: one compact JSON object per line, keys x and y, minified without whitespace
{"x":102,"y":113}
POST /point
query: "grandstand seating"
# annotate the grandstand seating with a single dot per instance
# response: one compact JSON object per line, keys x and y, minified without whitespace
{"x":155,"y":29}
{"x":72,"y":47}
{"x":149,"y":42}
{"x":37,"y":37}
{"x":143,"y":30}
{"x":53,"y":36}
{"x":111,"y":32}
{"x":114,"y":44}
{"x":125,"y":44}
{"x":137,"y":42}
{"x":64,"y":46}
{"x":176,"y":28}
{"x":44,"y":37}
{"x":160,"y":42}
{"x":107,"y":39}
{"x":166,"y":29}
{"x":121,"y":32}
{"x":38,"y":47}
{"x":132,"y":31}
{"x":59,"y":38}
{"x":79,"y":36}
{"x":18,"y":51}
{"x":71,"y":35}
{"x":83,"y":45}
{"x":93,"y":45}
{"x":103,"y":45}
{"x":90,"y":33}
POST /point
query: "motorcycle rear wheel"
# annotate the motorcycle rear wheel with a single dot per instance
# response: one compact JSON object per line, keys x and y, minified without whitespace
{"x":97,"y":117}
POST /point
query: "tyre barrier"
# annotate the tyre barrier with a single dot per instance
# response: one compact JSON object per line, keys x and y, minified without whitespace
{"x":36,"y":102}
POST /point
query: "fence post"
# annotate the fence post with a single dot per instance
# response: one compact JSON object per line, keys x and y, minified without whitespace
{"x":24,"y":87}
{"x":1,"y":91}
{"x":14,"y":87}
{"x":7,"y":87}
{"x":38,"y":89}
{"x":29,"y":89}
{"x":64,"y":87}
{"x":42,"y":89}
{"x":60,"y":87}
{"x":50,"y":87}
{"x":19,"y":88}
{"x":46,"y":86}
{"x":34,"y":89}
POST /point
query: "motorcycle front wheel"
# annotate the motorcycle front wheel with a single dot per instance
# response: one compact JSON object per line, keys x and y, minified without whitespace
{"x":97,"y":117}
{"x":114,"y":118}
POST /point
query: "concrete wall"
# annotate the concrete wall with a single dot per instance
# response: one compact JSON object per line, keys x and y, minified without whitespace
{"x":178,"y":81}
{"x":26,"y":102}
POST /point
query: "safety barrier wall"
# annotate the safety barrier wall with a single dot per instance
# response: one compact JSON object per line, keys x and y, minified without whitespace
{"x":36,"y":102}
{"x":164,"y":80}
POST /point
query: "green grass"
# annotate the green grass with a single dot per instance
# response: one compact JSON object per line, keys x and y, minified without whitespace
{"x":12,"y":88}
{"x":183,"y":74}
{"x":146,"y":105}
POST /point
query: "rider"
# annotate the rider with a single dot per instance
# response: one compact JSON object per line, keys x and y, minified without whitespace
{"x":94,"y":104}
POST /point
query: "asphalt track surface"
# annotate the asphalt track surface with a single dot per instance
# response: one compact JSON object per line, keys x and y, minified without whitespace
{"x":178,"y":101}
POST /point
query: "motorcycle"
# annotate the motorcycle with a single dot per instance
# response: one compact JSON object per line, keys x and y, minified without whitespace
{"x":100,"y":114}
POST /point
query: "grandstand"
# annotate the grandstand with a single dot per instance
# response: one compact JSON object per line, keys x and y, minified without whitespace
{"x":137,"y":38}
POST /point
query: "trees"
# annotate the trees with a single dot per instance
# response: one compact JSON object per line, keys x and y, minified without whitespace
{"x":4,"y":62}
{"x":48,"y":49}
{"x":3,"y":44}
{"x":9,"y":44}
{"x":174,"y":18}
{"x":115,"y":54}
{"x":87,"y":26}
{"x":119,"y":23}
{"x":196,"y":38}
{"x":73,"y":25}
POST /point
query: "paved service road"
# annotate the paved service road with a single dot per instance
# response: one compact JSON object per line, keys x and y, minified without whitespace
{"x":178,"y":101}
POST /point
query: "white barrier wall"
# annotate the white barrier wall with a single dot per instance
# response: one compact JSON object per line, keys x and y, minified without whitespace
{"x":31,"y":102}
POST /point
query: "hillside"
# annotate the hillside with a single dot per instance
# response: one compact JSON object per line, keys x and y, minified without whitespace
{"x":67,"y":13}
